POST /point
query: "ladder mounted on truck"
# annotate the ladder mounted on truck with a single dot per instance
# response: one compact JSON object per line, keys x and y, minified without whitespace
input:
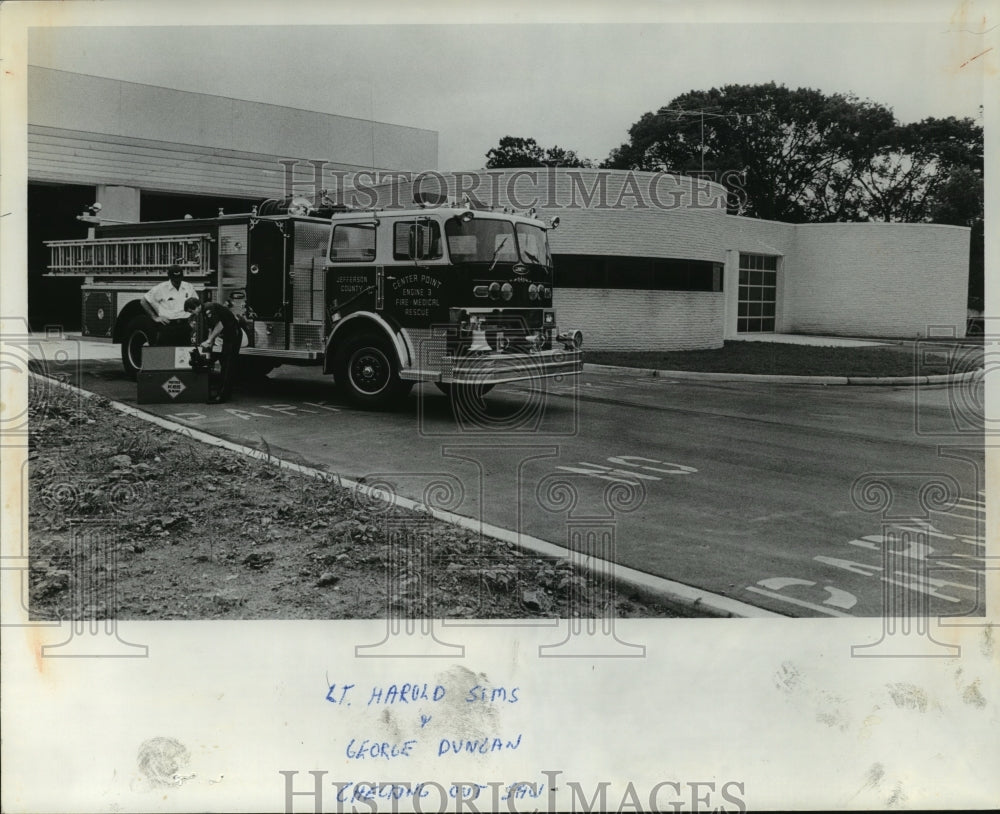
{"x":132,"y":256}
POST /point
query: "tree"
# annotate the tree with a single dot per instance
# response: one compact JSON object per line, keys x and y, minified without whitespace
{"x":515,"y":152}
{"x":521,"y":152}
{"x":785,"y":154}
{"x":929,"y":170}
{"x":958,"y":200}
{"x":804,"y":156}
{"x":556,"y":156}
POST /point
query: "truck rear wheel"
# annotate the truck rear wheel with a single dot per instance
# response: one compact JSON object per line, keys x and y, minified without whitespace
{"x":366,"y":367}
{"x":140,"y":331}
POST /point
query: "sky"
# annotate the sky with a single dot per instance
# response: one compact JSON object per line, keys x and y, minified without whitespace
{"x":576,"y":85}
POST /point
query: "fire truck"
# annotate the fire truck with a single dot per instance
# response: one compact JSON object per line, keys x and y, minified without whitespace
{"x":381,"y":299}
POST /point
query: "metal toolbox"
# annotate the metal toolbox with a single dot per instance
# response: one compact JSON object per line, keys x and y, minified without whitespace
{"x":166,"y":357}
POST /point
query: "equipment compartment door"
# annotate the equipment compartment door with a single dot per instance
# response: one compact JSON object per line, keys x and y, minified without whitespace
{"x":355,"y":288}
{"x":267,"y":274}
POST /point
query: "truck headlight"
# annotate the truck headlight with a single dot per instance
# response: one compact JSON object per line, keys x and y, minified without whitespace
{"x":572,"y":340}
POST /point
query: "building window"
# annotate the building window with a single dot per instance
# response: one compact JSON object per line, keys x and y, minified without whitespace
{"x":636,"y":273}
{"x":757,"y":293}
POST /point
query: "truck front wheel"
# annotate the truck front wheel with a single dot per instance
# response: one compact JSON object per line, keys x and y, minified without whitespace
{"x":140,"y":331}
{"x":366,"y":367}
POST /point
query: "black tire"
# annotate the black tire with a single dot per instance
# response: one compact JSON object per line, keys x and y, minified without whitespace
{"x":140,"y":331}
{"x":367,"y":369}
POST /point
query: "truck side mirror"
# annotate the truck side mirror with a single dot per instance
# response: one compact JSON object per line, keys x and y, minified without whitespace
{"x":415,"y":247}
{"x":419,"y":242}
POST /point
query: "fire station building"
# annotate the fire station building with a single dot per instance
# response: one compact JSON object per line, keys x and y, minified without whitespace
{"x":151,"y":153}
{"x":652,"y":260}
{"x":643,"y":260}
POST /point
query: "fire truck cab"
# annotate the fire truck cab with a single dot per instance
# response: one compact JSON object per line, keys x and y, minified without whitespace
{"x":382,"y":299}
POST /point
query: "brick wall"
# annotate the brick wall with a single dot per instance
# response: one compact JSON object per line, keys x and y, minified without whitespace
{"x":642,"y":320}
{"x":878,"y":279}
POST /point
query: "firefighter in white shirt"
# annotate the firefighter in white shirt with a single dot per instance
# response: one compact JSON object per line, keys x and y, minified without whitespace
{"x":165,"y":305}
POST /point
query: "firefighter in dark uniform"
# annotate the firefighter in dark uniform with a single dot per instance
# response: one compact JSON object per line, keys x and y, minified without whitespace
{"x":221,"y":324}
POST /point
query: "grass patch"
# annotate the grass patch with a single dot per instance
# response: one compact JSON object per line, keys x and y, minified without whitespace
{"x":779,"y":358}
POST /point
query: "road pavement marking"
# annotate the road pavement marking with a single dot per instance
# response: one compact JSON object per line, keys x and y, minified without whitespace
{"x":916,"y":551}
{"x":924,"y":585}
{"x":245,"y":414}
{"x":974,"y":504}
{"x":187,"y":416}
{"x":626,"y":460}
{"x":906,"y":539}
{"x":290,"y":410}
{"x":607,"y":473}
{"x":958,"y":567}
{"x":850,"y":565}
{"x":838,"y":598}
{"x":784,"y":581}
{"x":285,"y":409}
{"x":922,"y":527}
{"x":953,"y":513}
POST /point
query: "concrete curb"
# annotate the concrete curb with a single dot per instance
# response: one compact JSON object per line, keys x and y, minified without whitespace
{"x":684,"y":598}
{"x":972,"y":375}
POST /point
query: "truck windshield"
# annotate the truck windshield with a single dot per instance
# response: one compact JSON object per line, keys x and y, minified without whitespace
{"x":481,"y":240}
{"x":534,"y":244}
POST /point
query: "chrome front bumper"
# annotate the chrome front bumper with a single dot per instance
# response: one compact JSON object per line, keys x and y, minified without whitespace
{"x":497,"y":368}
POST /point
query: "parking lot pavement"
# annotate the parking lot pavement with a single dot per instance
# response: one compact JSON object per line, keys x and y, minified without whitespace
{"x":75,"y":345}
{"x":753,"y":492}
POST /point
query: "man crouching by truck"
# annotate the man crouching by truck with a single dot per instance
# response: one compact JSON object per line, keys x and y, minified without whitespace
{"x":165,"y":305}
{"x":222,"y":326}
